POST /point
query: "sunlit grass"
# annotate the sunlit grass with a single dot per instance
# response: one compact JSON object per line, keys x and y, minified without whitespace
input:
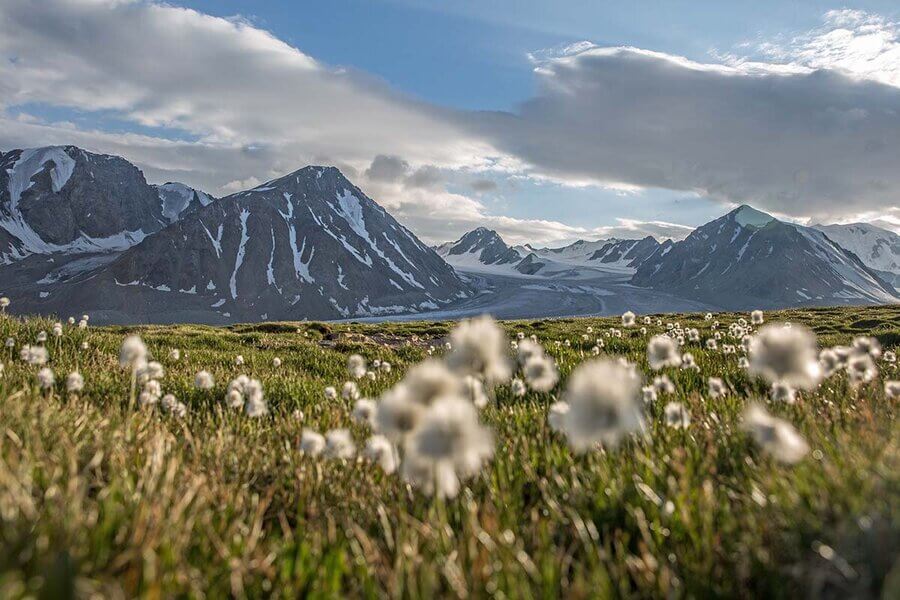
{"x":102,"y":499}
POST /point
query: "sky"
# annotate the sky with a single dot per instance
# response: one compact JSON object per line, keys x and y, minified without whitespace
{"x":547,"y":121}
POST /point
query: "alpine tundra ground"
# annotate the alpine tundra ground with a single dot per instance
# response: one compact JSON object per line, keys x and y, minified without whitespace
{"x":100,"y":496}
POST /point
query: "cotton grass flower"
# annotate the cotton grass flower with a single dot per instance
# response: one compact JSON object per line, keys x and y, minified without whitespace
{"x":350,"y":391}
{"x":861,"y":369}
{"x":479,"y":348}
{"x":364,"y":412}
{"x":628,"y":319}
{"x":339,"y":444}
{"x":276,"y":362}
{"x":688,"y":363}
{"x":385,"y":367}
{"x":429,"y":380}
{"x":662,"y":351}
{"x":605,"y":404}
{"x":540,"y":373}
{"x":147,"y":398}
{"x":556,"y":415}
{"x":663,"y":385}
{"x":677,"y":415}
{"x":153,"y":388}
{"x":356,"y":366}
{"x":782,"y":392}
{"x":382,"y":452}
{"x":171,"y":405}
{"x":448,"y":446}
{"x":330,"y":393}
{"x":775,"y":436}
{"x":867,"y":345}
{"x":528,"y":349}
{"x":892,"y":389}
{"x":517,"y":387}
{"x":74,"y":383}
{"x":787,"y":355}
{"x":756,"y":317}
{"x":234,"y":399}
{"x":255,"y":403}
{"x":311,"y":442}
{"x":45,"y":378}
{"x":34,"y":355}
{"x":239,"y":360}
{"x":715,"y":387}
{"x":203,"y":380}
{"x":4,"y":303}
{"x":396,"y":415}
{"x":175,"y":354}
{"x":133,"y":352}
{"x":148,"y":371}
{"x":474,"y":391}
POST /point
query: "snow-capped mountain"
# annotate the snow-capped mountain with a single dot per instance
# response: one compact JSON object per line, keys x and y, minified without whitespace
{"x":630,"y":253}
{"x":478,"y":248}
{"x":178,"y":199}
{"x":877,"y":248}
{"x":749,"y":259}
{"x":64,"y":199}
{"x":578,"y":252}
{"x":484,"y":251}
{"x":307,"y":245}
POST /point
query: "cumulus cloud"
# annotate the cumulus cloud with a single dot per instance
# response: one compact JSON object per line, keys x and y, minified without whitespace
{"x":228,"y":84}
{"x":783,"y":137}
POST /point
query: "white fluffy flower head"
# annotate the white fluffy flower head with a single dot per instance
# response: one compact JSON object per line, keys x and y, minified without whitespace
{"x":605,"y":404}
{"x":786,"y":355}
{"x":775,"y":436}
{"x":479,"y":348}
{"x":662,"y":351}
{"x":448,"y":445}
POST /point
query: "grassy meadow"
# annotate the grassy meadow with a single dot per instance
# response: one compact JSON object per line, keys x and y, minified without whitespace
{"x":101,"y":498}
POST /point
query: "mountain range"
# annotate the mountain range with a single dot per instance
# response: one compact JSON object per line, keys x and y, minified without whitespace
{"x":306,"y":245}
{"x":741,"y":260}
{"x":86,"y":233}
{"x":748,"y":258}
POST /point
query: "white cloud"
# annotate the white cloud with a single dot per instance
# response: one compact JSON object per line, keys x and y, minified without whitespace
{"x":811,"y":126}
{"x":230,"y":85}
{"x":786,"y":138}
{"x":854,"y":42}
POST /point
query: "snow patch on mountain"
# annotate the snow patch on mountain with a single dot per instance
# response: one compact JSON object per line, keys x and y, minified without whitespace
{"x":747,"y":216}
{"x":242,"y":249}
{"x":176,"y":197}
{"x":877,"y":248}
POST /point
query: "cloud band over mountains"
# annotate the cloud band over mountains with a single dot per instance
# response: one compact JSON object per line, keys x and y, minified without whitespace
{"x":220,"y":102}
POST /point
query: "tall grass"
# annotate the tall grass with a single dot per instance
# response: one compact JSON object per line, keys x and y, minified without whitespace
{"x":97,"y":499}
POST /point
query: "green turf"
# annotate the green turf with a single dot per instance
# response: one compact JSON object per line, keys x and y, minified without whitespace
{"x":97,"y":499}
